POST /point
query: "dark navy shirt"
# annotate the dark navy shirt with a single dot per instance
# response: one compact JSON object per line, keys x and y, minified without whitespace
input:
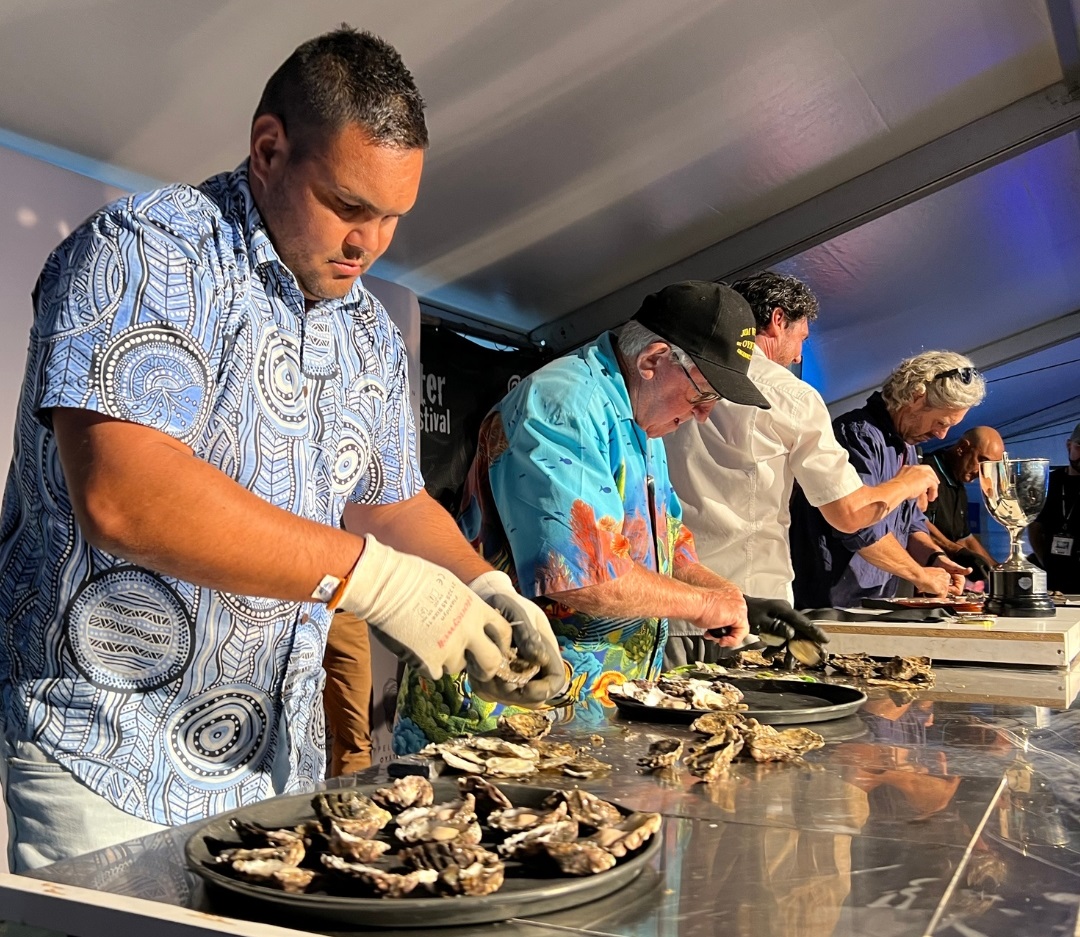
{"x":828,"y":569}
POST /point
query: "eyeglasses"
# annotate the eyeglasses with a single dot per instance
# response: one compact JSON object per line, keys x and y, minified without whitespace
{"x":964,"y":375}
{"x":703,"y":396}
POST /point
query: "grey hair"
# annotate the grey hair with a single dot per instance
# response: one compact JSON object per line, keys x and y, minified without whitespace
{"x":634,"y":338}
{"x":914,"y":376}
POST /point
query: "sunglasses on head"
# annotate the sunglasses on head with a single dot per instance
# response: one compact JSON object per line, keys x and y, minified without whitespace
{"x":964,"y":375}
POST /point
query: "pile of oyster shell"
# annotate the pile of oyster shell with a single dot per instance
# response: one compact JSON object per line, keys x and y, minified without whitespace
{"x":730,"y":734}
{"x":888,"y":672}
{"x":676,"y":692}
{"x":520,"y":752}
{"x":398,"y":842}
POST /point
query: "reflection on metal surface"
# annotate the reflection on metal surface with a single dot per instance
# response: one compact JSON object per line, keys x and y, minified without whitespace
{"x":1028,"y":811}
{"x":929,"y":816}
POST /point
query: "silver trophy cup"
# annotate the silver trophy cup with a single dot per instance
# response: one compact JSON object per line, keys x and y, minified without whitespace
{"x":1014,"y":491}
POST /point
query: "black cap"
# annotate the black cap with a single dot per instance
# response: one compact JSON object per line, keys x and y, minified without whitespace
{"x":715,"y":326}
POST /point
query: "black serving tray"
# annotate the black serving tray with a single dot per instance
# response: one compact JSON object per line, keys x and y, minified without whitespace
{"x":773,"y":702}
{"x":527,"y":891}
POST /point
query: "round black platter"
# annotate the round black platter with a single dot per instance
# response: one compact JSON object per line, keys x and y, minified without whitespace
{"x":773,"y":702}
{"x":527,"y":891}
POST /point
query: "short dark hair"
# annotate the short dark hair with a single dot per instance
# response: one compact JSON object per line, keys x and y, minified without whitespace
{"x":767,"y":290}
{"x":341,"y":78}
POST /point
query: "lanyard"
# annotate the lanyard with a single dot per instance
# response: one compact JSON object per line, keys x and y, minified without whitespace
{"x":1065,"y":516}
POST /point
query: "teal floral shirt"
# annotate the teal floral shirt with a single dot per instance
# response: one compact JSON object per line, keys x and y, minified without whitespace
{"x":565,"y":491}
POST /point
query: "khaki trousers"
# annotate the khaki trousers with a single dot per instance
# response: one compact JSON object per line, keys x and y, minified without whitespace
{"x":347,"y":697}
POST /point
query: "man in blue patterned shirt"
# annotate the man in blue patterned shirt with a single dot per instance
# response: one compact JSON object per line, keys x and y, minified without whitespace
{"x":214,"y":448}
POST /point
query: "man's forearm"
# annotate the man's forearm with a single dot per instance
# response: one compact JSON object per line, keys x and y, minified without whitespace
{"x":869,"y":504}
{"x":971,"y":542}
{"x":420,"y":526}
{"x":140,"y":495}
{"x":887,"y":554}
{"x":638,"y":593}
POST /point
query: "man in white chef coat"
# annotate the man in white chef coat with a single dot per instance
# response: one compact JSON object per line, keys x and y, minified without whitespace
{"x":734,"y":472}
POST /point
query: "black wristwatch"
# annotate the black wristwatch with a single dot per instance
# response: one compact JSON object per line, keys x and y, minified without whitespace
{"x":933,"y":557}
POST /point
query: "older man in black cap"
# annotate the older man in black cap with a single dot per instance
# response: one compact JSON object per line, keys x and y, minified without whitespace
{"x":569,"y":495}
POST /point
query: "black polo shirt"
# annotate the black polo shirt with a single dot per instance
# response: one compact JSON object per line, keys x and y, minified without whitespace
{"x":1059,"y":517}
{"x":949,"y":513}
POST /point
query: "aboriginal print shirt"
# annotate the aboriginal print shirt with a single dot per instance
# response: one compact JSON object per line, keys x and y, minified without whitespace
{"x":566,"y":491}
{"x":172,"y":309}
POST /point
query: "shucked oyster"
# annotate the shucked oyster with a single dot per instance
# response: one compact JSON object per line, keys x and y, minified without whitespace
{"x":715,"y":723}
{"x":628,"y":835}
{"x":503,"y":748}
{"x":524,"y":727}
{"x":409,"y":791}
{"x":580,"y":857}
{"x":455,"y":820}
{"x":365,"y":817}
{"x":515,"y":819}
{"x":274,"y":873}
{"x":390,"y":884}
{"x":344,"y":844}
{"x":529,"y":842}
{"x":291,"y":853}
{"x":462,"y":870}
{"x":586,"y":808}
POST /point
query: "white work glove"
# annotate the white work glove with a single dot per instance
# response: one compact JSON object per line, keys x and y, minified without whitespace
{"x":425,"y":614}
{"x":534,"y":642}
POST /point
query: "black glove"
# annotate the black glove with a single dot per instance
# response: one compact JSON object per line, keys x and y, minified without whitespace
{"x":980,"y":569}
{"x":776,"y":624}
{"x":775,"y":617}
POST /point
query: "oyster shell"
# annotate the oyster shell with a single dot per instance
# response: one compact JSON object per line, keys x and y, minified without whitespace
{"x":524,"y":727}
{"x":708,"y":697}
{"x":524,"y":818}
{"x":409,"y":791}
{"x":711,"y":758}
{"x":764,"y":743}
{"x":340,"y":842}
{"x":275,"y":874}
{"x":529,"y":842}
{"x":390,"y":884}
{"x":579,"y":857}
{"x":455,"y":820}
{"x":287,"y":854}
{"x":488,"y":795}
{"x":254,"y":835}
{"x":662,"y":753}
{"x":628,"y":835}
{"x":715,"y":723}
{"x":496,"y":746}
{"x":584,"y":765}
{"x":915,"y":669}
{"x":510,"y":767}
{"x":586,"y":808}
{"x":854,"y":665}
{"x":462,"y":870}
{"x":354,"y":806}
{"x":644,"y":691}
{"x":516,"y":669}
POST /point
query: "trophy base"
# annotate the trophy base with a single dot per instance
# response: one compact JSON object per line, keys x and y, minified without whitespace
{"x":1019,"y":593}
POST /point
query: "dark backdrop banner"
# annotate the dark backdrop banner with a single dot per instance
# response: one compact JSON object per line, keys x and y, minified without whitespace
{"x":460,"y":382}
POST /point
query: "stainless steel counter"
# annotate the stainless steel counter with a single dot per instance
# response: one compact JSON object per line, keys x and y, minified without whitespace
{"x":923,"y":814}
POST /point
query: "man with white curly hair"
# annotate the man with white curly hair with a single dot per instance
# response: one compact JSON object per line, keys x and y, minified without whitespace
{"x":924,"y":397}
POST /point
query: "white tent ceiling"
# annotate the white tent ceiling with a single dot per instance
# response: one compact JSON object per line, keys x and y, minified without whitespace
{"x":586,"y":151}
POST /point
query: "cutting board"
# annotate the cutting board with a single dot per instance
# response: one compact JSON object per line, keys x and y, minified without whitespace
{"x":1043,"y":642}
